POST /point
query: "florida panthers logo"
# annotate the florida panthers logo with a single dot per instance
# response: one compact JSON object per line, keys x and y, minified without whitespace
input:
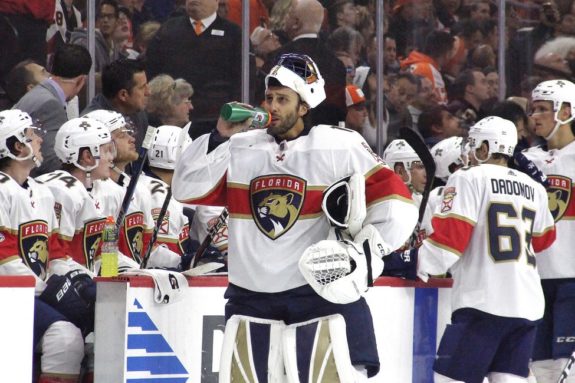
{"x":33,"y":237}
{"x":559,"y":195}
{"x":276,"y":203}
{"x":92,"y":240}
{"x":134,"y":235}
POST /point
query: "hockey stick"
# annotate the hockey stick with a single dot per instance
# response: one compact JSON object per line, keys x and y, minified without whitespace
{"x":212,"y":231}
{"x":142,"y":154}
{"x":567,"y":368}
{"x":157,"y":227}
{"x":417,"y":144}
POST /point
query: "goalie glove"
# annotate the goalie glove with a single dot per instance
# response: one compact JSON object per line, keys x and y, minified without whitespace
{"x":402,"y":264}
{"x":342,"y":271}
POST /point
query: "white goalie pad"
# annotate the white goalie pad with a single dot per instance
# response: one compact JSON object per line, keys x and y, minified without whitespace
{"x":252,"y":351}
{"x":336,"y":270}
{"x":317,"y":351}
{"x":344,"y":203}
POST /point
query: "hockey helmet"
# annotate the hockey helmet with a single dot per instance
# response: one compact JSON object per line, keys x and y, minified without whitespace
{"x":14,"y":123}
{"x":400,"y":151}
{"x":80,"y":133}
{"x":449,"y":155}
{"x":558,"y":92}
{"x":299,"y":73}
{"x":169,"y":141}
{"x":500,"y":134}
{"x":111,"y":120}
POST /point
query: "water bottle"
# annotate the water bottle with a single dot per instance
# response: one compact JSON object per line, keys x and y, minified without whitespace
{"x":234,"y":112}
{"x":109,"y":266}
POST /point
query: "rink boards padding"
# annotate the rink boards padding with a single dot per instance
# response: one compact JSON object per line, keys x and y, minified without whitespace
{"x":138,"y":340}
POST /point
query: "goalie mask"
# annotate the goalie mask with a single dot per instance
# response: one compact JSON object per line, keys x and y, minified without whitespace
{"x":169,"y":141}
{"x":500,"y":134}
{"x":449,"y":155}
{"x":79,"y":133}
{"x":299,"y":73}
{"x":15,"y":123}
{"x":558,"y":92}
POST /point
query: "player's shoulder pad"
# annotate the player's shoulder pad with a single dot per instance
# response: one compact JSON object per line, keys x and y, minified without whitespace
{"x":336,"y":134}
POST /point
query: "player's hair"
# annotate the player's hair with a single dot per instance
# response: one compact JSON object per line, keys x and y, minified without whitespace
{"x":70,"y":61}
{"x":70,"y":167}
{"x":119,"y":75}
{"x":111,"y":3}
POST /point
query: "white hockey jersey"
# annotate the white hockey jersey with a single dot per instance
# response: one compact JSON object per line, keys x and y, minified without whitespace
{"x":174,"y":231}
{"x":28,"y":229}
{"x":273,"y":192}
{"x":80,"y":216}
{"x":138,"y":224}
{"x":559,"y":167}
{"x":491,"y":221}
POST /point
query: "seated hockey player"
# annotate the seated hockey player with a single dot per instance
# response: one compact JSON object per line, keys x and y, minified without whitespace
{"x":272,"y":181}
{"x":29,"y":228}
{"x":138,"y":223}
{"x":403,"y":160}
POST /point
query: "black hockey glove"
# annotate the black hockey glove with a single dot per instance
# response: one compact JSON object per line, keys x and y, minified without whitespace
{"x":401,"y":264}
{"x":525,"y":165}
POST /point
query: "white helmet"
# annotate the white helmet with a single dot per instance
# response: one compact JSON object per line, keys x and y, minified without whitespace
{"x":400,"y":151}
{"x":558,"y":92}
{"x":80,"y":133}
{"x":111,"y":119}
{"x":449,"y":155}
{"x":169,"y":141}
{"x":299,"y":73}
{"x":14,"y":123}
{"x":501,"y":135}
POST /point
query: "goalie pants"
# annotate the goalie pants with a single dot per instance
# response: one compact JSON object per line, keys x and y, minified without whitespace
{"x":302,"y":304}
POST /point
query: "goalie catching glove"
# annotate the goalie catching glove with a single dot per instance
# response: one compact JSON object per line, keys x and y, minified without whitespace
{"x":342,"y":271}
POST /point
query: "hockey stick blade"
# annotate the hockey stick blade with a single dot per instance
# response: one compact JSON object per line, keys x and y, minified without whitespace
{"x":417,"y":144}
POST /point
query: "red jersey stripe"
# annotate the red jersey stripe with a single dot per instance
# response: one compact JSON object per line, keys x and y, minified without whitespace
{"x":451,"y":232}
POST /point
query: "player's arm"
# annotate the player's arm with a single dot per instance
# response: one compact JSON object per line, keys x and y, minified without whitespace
{"x":453,"y":226}
{"x":543,"y":233}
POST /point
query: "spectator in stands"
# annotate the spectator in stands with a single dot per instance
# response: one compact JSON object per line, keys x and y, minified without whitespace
{"x":205,"y":50}
{"x":144,"y":35}
{"x":278,"y":15}
{"x":492,"y":77}
{"x":23,"y":77}
{"x":140,"y":13}
{"x":403,"y":89}
{"x":105,"y":49}
{"x":66,"y":19}
{"x":437,"y":123}
{"x":480,"y":10}
{"x":410,"y":22}
{"x":264,"y":41}
{"x":469,"y":92}
{"x":170,"y":101}
{"x":349,"y":66}
{"x":348,"y":40}
{"x":365,"y":25}
{"x":390,"y":61}
{"x":342,"y":13}
{"x":125,"y":90}
{"x":447,"y":12}
{"x":424,"y":99}
{"x":123,"y":35}
{"x":356,"y":117}
{"x":302,"y":25}
{"x":23,"y":25}
{"x":46,"y":102}
{"x":435,"y":54}
{"x":482,"y":57}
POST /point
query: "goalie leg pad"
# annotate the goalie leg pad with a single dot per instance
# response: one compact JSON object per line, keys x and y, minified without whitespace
{"x":252,"y":351}
{"x":316,"y":351}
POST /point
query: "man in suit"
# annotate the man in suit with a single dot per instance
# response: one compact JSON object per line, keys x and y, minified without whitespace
{"x":46,"y":102}
{"x":302,"y":25}
{"x":205,"y":50}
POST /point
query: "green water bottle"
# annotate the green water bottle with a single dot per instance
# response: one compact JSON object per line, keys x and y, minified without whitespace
{"x":234,"y":112}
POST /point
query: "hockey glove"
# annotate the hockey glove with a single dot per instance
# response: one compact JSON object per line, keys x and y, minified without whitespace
{"x":525,"y":165}
{"x":402,"y":264}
